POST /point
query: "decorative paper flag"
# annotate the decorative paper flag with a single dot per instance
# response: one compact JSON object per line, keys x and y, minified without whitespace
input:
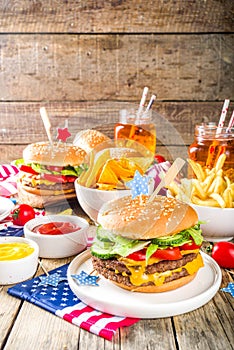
{"x":138,"y":185}
{"x":51,"y":280}
{"x":84,"y":279}
{"x":63,"y":133}
{"x":62,"y":302}
{"x":229,"y":289}
{"x":155,"y":172}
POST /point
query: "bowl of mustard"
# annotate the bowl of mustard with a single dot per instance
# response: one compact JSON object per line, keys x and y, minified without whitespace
{"x":18,"y":259}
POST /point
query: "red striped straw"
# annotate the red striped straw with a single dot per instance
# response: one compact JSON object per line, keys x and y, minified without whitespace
{"x":153,"y":98}
{"x":142,"y":103}
{"x":223,"y":116}
{"x":231,"y":122}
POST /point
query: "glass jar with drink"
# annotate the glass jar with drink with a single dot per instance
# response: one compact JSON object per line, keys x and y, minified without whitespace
{"x":210,"y":141}
{"x":139,"y":128}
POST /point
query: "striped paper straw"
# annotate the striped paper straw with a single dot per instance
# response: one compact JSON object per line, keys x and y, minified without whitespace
{"x":231,"y":122}
{"x":223,"y":116}
{"x":153,"y":98}
{"x":142,"y":102}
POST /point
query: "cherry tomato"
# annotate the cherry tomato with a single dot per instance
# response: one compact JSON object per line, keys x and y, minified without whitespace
{"x":190,"y":246}
{"x":223,"y":254}
{"x":28,"y":169}
{"x":159,"y":158}
{"x":22,"y":214}
{"x":164,"y":254}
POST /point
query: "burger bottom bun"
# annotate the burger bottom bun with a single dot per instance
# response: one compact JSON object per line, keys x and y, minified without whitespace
{"x":42,"y":198}
{"x":158,"y":289}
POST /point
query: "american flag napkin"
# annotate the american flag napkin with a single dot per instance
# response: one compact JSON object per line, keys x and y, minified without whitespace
{"x":62,"y":302}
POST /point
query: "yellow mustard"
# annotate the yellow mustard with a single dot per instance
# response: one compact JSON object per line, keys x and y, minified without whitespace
{"x":14,"y":251}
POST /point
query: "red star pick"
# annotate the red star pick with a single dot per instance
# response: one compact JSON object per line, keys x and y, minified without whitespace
{"x":63,"y":134}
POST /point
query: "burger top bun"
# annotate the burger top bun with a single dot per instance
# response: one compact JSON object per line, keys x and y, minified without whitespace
{"x":89,"y":139}
{"x":139,"y":219}
{"x":60,"y":155}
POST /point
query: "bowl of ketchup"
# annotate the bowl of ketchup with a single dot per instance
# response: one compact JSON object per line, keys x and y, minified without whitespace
{"x":58,"y":236}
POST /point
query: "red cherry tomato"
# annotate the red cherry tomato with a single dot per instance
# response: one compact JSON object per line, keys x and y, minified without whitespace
{"x":189,"y":246}
{"x":159,"y":158}
{"x":164,"y":254}
{"x":22,"y":214}
{"x":223,"y":254}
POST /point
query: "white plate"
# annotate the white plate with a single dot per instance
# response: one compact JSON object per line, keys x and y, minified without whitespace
{"x":6,"y":206}
{"x":114,"y":300}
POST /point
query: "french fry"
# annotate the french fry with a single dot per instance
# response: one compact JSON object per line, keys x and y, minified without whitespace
{"x":197,"y":168}
{"x":218,"y":199}
{"x":199,"y":190}
{"x":227,"y":197}
{"x":220,"y":162}
{"x":207,"y":203}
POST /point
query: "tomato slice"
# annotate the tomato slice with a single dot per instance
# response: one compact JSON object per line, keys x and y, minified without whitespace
{"x":190,"y":246}
{"x":172,"y":253}
{"x":54,"y":168}
{"x":28,"y":169}
{"x":58,"y":178}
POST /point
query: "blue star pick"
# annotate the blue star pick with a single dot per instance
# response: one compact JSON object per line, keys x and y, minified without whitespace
{"x":229,"y":289}
{"x":52,"y":280}
{"x":85,"y":279}
{"x":139,"y":184}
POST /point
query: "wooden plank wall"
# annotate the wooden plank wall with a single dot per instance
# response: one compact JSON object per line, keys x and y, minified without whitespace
{"x":85,"y":60}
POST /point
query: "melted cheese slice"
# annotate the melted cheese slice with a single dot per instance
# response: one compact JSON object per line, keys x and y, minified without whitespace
{"x":138,"y":275}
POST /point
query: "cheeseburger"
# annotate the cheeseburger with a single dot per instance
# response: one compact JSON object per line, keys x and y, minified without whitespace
{"x":145,"y":246}
{"x":47,"y":174}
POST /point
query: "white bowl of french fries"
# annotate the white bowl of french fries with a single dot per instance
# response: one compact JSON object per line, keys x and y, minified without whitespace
{"x":211,"y":194}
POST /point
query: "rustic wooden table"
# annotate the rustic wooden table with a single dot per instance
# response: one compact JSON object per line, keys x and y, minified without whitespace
{"x":24,"y":326}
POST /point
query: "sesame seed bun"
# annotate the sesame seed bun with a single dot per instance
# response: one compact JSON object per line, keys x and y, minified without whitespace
{"x":139,"y":219}
{"x":60,"y":155}
{"x":89,"y":139}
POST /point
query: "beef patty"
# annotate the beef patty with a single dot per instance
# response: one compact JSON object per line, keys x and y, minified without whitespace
{"x":112,"y":269}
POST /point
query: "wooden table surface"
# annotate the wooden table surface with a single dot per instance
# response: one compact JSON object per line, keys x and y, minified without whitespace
{"x":26,"y":326}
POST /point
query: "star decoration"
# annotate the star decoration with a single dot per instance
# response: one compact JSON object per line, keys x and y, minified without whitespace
{"x":52,"y":280}
{"x":85,"y":279}
{"x":138,"y":185}
{"x":63,"y":134}
{"x":229,"y":289}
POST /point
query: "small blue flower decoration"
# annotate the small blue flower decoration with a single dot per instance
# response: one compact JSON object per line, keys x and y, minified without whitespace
{"x":138,"y":185}
{"x":52,"y":280}
{"x":85,"y":279}
{"x":229,"y":289}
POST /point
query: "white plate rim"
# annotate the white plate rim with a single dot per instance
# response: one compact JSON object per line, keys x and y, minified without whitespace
{"x":9,"y":206}
{"x":144,"y":310}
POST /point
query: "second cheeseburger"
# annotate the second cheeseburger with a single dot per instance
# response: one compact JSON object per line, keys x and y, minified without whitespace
{"x":47,"y":173}
{"x":145,"y":246}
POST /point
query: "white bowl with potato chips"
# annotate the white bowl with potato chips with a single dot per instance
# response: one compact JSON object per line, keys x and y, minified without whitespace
{"x":110,"y":165}
{"x":211,"y":194}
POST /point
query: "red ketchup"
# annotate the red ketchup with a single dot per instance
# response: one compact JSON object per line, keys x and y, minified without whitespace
{"x":56,"y":228}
